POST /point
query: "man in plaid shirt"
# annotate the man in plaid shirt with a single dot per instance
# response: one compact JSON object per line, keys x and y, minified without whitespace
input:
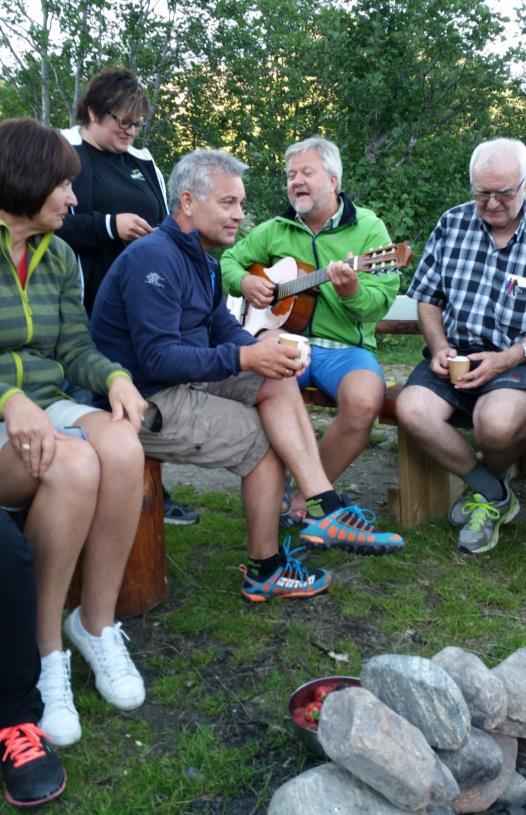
{"x":471,"y":288}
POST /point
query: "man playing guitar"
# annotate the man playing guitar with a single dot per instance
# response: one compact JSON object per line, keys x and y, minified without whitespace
{"x":322,"y":227}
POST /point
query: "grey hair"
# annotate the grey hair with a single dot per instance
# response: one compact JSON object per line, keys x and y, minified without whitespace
{"x":489,"y":152}
{"x":328,"y":152}
{"x":193,"y":173}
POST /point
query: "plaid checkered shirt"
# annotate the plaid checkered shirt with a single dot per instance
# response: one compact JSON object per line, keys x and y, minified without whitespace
{"x":463,"y":273}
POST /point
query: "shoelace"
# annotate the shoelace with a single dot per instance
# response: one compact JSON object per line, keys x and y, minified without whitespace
{"x":293,"y":566}
{"x":481,"y":511}
{"x":115,"y":653}
{"x":55,"y":683}
{"x":23,"y":743}
{"x":364,"y":516}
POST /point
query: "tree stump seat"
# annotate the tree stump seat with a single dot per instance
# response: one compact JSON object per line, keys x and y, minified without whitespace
{"x":145,"y":582}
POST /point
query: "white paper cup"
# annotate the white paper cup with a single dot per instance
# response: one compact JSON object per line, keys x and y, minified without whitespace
{"x":298,"y":342}
{"x":457,"y":367}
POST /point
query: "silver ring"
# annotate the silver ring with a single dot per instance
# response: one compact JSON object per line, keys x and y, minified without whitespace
{"x":25,"y":446}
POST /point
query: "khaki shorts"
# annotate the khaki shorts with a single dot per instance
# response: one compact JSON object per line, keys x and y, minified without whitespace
{"x":212,"y":424}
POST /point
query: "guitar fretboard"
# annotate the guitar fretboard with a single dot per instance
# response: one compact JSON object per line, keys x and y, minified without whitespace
{"x":319,"y":276}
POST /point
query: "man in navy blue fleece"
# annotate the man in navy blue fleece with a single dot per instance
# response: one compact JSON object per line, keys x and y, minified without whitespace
{"x":219,"y":397}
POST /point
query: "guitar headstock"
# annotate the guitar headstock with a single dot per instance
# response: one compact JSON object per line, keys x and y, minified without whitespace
{"x":383,"y":259}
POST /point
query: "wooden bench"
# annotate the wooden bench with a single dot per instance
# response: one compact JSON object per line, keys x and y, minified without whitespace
{"x":145,"y":582}
{"x":424,"y":488}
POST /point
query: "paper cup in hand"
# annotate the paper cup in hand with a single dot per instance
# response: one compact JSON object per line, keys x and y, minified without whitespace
{"x":298,"y":342}
{"x":457,"y":367}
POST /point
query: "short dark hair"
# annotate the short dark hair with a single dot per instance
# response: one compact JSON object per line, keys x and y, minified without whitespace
{"x":114,"y":90}
{"x":34,"y":159}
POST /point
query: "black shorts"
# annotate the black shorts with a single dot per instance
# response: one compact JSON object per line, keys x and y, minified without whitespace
{"x":464,"y":401}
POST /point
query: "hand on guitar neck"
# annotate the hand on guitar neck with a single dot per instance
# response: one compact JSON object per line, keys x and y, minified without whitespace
{"x":343,"y":277}
{"x":270,"y":358}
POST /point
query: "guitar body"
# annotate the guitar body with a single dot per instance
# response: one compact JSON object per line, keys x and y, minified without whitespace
{"x":291,"y":313}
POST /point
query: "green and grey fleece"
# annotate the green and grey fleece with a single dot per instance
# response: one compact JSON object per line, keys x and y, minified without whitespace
{"x":44,"y":335}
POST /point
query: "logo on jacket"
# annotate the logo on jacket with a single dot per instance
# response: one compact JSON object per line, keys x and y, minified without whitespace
{"x":155,"y":279}
{"x":137,"y":175}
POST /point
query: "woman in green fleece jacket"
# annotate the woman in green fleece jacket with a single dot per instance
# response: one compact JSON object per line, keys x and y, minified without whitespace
{"x":77,"y":471}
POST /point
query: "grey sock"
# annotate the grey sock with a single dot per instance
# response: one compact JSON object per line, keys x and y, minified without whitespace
{"x":481,"y":480}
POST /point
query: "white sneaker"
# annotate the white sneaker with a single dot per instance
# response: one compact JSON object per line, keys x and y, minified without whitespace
{"x":60,"y":720}
{"x":116,"y":677}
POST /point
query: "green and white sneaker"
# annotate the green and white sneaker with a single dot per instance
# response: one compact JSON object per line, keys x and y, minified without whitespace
{"x":481,"y":532}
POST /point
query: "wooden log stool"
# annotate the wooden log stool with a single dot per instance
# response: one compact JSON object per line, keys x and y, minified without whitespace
{"x":145,"y":583}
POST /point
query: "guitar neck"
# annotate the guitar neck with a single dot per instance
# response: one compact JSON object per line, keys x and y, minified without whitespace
{"x":309,"y":281}
{"x":301,"y":284}
{"x":376,"y":261}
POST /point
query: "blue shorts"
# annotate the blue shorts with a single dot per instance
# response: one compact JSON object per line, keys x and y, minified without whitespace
{"x":328,"y":366}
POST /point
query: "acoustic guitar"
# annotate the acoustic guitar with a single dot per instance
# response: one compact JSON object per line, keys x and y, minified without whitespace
{"x":296,"y":288}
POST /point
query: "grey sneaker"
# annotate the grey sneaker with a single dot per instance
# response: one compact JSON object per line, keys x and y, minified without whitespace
{"x":457,"y":516}
{"x":180,"y":514}
{"x":481,"y":532}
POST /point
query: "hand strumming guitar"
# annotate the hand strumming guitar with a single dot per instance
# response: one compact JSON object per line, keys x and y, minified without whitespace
{"x":343,"y":278}
{"x":257,"y":290}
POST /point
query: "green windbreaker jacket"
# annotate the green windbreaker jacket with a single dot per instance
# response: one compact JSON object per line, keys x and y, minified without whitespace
{"x":349,"y":320}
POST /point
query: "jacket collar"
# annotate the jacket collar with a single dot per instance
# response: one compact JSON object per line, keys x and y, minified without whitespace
{"x":348,"y":215}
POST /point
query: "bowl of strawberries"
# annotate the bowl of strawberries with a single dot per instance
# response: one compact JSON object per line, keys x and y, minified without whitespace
{"x":306,"y":703}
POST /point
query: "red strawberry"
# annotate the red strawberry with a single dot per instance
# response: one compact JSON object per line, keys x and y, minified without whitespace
{"x":312,"y":712}
{"x":322,"y":691}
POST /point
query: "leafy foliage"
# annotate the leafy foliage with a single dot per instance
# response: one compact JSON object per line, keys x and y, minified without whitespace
{"x":406,"y":88}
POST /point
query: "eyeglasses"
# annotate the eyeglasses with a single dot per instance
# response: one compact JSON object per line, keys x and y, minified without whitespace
{"x":502,"y":196}
{"x":125,"y":124}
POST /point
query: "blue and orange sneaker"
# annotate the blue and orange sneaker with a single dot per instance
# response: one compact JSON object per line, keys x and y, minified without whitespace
{"x":350,"y":528}
{"x":291,"y":580}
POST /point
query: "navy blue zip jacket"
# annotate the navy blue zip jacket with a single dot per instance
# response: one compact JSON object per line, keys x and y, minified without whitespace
{"x":160,"y":312}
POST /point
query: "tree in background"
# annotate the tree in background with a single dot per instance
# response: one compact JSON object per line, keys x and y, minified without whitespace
{"x":405,"y":87}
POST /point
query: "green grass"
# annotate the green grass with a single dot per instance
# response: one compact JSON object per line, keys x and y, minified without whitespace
{"x":214,"y":736}
{"x":396,"y":349}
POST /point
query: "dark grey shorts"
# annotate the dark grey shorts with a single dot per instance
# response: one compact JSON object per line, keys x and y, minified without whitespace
{"x":212,"y":424}
{"x":463,"y":401}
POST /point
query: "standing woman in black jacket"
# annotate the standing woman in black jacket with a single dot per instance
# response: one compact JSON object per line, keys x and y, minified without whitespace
{"x":120,"y":191}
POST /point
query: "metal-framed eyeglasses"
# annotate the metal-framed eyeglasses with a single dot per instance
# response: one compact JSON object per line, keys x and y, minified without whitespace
{"x":502,"y":196}
{"x":125,"y":124}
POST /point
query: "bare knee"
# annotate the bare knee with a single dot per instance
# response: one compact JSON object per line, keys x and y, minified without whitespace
{"x":493,"y":434}
{"x":412,"y":409}
{"x":75,"y":467}
{"x":359,"y":411}
{"x":121,"y":452}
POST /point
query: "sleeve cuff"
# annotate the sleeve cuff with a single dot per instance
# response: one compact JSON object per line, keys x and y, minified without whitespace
{"x":111,"y":226}
{"x":5,"y":397}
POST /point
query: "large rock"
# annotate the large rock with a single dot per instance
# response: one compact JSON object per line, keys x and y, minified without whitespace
{"x":482,"y":796}
{"x":512,"y":674}
{"x":440,"y":810}
{"x":478,"y":761}
{"x":521,"y":755}
{"x":483,"y":691}
{"x":424,"y":694}
{"x":329,"y":790}
{"x":516,"y":792}
{"x":384,"y":750}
